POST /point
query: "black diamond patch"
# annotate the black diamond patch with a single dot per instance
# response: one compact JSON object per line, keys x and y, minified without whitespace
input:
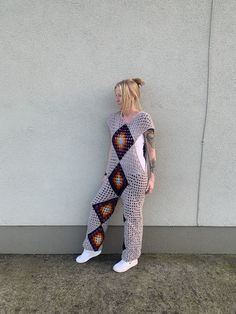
{"x":118,"y":180}
{"x":105,"y":209}
{"x":122,"y":140}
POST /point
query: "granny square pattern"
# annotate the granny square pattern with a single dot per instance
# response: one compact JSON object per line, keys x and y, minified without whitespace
{"x":96,"y":237}
{"x":124,"y":178}
{"x":122,"y":141}
{"x":118,"y":180}
{"x":105,"y":209}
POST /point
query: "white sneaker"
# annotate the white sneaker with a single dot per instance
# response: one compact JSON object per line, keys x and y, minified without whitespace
{"x":122,"y":265}
{"x":86,"y":255}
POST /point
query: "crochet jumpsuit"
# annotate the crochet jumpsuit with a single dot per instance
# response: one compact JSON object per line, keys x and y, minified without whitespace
{"x":125,"y":179}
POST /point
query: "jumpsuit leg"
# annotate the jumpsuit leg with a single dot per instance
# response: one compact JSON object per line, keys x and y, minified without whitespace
{"x":133,"y":199}
{"x":102,"y":207}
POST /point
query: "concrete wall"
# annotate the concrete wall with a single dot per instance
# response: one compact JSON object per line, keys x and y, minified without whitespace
{"x":59,"y":63}
{"x":218,"y":182}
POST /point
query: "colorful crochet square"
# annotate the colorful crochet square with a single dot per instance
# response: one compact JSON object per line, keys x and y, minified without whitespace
{"x":105,"y":209}
{"x":118,"y":180}
{"x":96,"y":237}
{"x":122,"y":140}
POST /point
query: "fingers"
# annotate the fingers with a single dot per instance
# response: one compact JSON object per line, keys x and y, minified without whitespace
{"x":149,"y":189}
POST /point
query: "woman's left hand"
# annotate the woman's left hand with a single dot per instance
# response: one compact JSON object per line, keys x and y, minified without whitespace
{"x":150,"y":185}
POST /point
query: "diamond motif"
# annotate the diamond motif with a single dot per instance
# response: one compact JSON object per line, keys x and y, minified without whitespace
{"x":96,"y":237}
{"x":105,"y":209}
{"x":122,"y":141}
{"x":118,"y":180}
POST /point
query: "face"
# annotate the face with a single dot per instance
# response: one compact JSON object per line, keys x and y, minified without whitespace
{"x":118,"y":96}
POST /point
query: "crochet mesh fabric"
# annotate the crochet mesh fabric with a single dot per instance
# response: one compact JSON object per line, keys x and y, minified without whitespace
{"x":126,"y":180}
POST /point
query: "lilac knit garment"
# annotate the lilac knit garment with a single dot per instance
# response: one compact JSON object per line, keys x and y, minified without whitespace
{"x":126,"y":180}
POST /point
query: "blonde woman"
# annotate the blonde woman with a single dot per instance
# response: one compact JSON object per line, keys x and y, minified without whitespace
{"x":130,"y":175}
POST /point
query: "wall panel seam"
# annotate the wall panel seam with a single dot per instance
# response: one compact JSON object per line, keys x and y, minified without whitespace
{"x":206,"y":110}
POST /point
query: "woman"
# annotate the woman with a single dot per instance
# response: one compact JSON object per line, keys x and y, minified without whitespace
{"x":128,"y":176}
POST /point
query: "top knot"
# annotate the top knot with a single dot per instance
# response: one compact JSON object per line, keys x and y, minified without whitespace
{"x":139,"y":81}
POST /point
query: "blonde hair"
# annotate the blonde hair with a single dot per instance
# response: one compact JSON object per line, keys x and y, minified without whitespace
{"x":130,"y":94}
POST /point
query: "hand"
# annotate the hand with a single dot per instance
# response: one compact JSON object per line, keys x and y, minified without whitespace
{"x":150,"y":185}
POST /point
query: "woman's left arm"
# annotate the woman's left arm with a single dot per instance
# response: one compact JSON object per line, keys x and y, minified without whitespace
{"x":151,"y":151}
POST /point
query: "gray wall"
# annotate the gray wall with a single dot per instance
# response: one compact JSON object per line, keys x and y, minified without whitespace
{"x":59,"y":63}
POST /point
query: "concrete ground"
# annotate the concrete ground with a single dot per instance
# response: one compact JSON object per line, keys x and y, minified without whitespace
{"x":160,"y":283}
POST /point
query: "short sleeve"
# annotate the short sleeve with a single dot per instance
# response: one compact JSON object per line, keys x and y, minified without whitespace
{"x":109,"y":120}
{"x":146,"y":123}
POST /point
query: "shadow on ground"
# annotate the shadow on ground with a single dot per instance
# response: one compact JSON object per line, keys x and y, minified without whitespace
{"x":160,"y":283}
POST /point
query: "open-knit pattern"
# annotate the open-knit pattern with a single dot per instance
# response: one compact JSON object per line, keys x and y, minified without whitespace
{"x":126,"y":179}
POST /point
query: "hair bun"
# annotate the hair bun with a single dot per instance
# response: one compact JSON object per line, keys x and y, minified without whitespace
{"x":139,"y":81}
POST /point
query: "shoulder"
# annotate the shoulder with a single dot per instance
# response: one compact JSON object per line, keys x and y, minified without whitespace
{"x":110,"y":117}
{"x":145,"y":121}
{"x":145,"y":116}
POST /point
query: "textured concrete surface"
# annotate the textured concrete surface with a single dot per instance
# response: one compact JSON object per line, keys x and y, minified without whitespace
{"x":160,"y":283}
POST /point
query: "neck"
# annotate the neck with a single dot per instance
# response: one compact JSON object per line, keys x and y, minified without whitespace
{"x":132,"y":111}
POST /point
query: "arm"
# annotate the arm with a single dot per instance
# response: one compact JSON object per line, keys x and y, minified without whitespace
{"x":151,"y":152}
